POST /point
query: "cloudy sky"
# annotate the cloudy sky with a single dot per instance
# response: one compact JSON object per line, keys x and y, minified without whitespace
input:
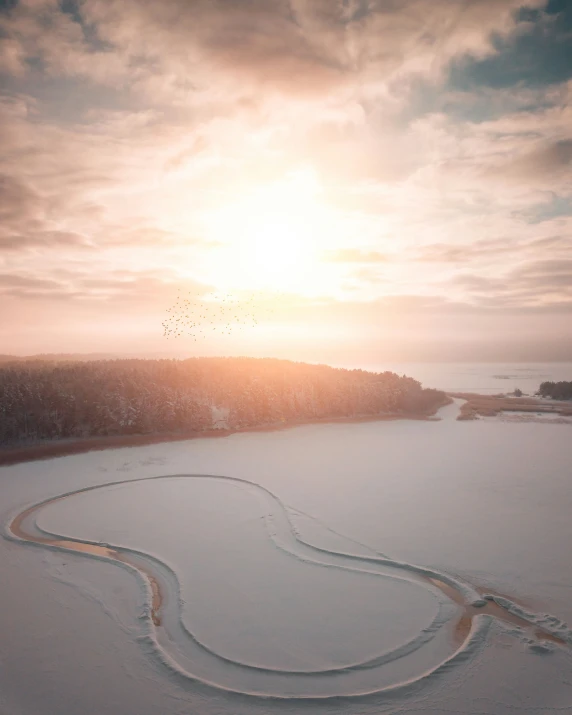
{"x":382,"y":178}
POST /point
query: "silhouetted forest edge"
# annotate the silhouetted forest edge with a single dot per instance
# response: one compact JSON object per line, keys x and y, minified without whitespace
{"x":52,"y":408}
{"x":556,"y":390}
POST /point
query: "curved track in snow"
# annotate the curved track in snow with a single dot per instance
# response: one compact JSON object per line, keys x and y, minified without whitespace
{"x":190,"y":659}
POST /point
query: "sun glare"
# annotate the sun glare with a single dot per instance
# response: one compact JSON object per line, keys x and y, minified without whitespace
{"x":270,"y":238}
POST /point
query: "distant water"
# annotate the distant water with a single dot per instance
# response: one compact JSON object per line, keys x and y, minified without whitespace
{"x":486,"y":378}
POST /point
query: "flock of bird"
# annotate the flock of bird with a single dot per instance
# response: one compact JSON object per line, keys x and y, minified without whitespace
{"x":216,"y":313}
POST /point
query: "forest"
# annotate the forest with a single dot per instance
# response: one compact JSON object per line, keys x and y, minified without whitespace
{"x":556,"y":390}
{"x":51,"y":400}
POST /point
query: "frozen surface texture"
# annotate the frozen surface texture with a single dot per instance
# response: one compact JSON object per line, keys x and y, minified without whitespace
{"x":291,"y":578}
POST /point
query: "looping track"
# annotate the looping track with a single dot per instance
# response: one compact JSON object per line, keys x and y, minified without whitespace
{"x":163,"y":613}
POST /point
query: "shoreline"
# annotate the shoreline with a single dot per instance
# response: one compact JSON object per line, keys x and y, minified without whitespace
{"x":477,"y":405}
{"x":63,"y":448}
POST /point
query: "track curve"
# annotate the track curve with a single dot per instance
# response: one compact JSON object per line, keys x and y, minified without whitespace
{"x":251,"y":679}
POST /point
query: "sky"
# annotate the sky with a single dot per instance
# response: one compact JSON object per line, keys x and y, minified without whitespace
{"x":379,"y":179}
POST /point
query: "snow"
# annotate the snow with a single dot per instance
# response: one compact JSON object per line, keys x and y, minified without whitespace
{"x":528,"y":416}
{"x":289,"y":587}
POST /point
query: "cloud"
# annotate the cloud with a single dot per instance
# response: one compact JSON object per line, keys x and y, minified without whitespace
{"x":42,"y":239}
{"x":24,"y":220}
{"x":546,"y":274}
{"x":17,"y":199}
{"x":454,"y":253}
{"x":549,"y":161}
{"x":536,"y":55}
{"x":557,"y":245}
{"x":296,"y":46}
{"x":355,"y":255}
{"x":556,"y":207}
{"x":540,"y":283}
{"x":494,"y":251}
{"x":14,"y":284}
{"x":126,"y":124}
{"x":114,"y":294}
{"x":139,"y":287}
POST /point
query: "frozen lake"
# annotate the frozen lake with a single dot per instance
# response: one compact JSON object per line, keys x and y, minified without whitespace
{"x":294,"y":568}
{"x":481,"y":377}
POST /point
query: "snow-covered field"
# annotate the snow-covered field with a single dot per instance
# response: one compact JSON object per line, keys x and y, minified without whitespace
{"x":294,"y":570}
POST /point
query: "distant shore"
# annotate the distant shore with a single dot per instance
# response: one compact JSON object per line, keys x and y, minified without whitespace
{"x":64,"y":448}
{"x":477,"y":405}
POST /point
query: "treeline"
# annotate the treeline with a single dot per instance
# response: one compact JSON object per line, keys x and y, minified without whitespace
{"x":59,"y":357}
{"x":45,"y":400}
{"x":556,"y":390}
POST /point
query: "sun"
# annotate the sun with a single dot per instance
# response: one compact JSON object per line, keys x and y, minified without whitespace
{"x":276,"y":249}
{"x":270,"y":238}
{"x":271,"y":249}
